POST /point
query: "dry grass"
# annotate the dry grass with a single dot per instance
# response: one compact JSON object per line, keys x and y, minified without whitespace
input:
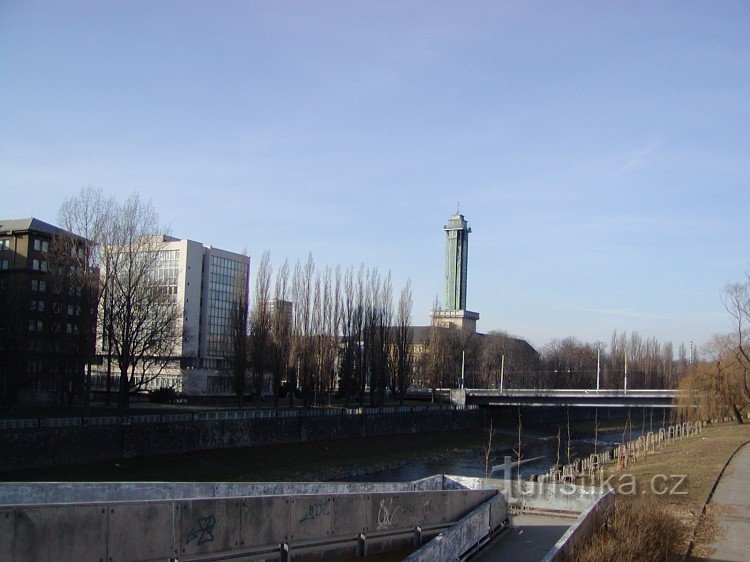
{"x":700,"y":459}
{"x":638,"y":529}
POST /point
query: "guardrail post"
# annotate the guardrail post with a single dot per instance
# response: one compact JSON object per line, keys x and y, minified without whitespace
{"x":284,"y":552}
{"x":361,"y":545}
{"x":417,"y":536}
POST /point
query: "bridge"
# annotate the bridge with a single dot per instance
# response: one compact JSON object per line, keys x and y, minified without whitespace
{"x":556,"y":397}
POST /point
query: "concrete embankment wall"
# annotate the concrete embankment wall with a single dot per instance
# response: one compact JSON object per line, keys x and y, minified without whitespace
{"x":39,"y":447}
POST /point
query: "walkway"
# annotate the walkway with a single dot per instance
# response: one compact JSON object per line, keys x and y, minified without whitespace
{"x":732,"y":510}
{"x":529,"y":539}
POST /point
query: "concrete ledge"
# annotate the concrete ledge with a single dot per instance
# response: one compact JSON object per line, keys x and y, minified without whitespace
{"x":29,"y":493}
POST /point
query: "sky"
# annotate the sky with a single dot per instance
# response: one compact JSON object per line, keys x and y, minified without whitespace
{"x":600,"y":151}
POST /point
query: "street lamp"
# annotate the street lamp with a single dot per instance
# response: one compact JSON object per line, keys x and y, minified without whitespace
{"x":502,"y":370}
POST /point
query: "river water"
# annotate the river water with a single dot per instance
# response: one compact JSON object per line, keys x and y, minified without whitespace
{"x":542,"y":452}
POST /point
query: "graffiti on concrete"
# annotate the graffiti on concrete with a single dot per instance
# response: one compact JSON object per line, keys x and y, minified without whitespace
{"x":204,"y":532}
{"x":315,"y":510}
{"x":387,"y":513}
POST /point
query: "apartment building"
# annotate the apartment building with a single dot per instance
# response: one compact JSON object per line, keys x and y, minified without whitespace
{"x":46,"y":325}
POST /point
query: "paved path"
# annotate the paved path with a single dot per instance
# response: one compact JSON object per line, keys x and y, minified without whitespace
{"x":528,"y":540}
{"x":732,"y":499}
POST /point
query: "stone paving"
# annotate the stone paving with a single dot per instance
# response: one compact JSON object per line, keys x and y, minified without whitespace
{"x":732,"y":502}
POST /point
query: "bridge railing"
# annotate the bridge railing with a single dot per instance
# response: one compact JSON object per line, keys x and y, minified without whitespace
{"x":218,"y":415}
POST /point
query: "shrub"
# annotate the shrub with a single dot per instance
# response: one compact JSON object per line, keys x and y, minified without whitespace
{"x":163,"y":395}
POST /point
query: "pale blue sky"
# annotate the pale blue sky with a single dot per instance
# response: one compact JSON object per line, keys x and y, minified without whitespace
{"x":600,"y":150}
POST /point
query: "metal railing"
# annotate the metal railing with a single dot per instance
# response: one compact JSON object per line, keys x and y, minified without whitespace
{"x":220,"y":415}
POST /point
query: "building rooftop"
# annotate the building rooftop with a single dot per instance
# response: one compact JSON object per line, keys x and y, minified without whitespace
{"x":31,"y":224}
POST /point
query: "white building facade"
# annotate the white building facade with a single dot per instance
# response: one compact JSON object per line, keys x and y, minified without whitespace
{"x":206,"y":282}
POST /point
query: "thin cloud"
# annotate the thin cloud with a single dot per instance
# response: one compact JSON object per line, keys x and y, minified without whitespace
{"x":639,"y":158}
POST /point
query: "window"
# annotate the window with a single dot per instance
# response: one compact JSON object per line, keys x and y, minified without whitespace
{"x":45,"y":246}
{"x":4,"y":244}
{"x":32,"y":325}
{"x":37,"y":244}
{"x":70,"y":310}
{"x":32,"y":305}
{"x":44,"y":265}
{"x":39,"y":325}
{"x":70,"y":328}
{"x":42,"y":286}
{"x":34,"y":285}
{"x":40,"y":306}
{"x":4,"y":264}
{"x":35,"y":265}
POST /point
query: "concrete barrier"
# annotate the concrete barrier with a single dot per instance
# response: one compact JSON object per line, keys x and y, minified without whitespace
{"x":591,"y":519}
{"x":528,"y":496}
{"x":217,"y":526}
{"x":471,"y":531}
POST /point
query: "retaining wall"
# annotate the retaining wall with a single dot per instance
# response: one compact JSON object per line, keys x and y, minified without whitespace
{"x":54,"y":446}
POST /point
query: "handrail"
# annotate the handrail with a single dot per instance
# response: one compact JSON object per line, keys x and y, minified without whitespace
{"x":217,"y":415}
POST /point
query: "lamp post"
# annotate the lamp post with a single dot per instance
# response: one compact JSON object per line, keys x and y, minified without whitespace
{"x":598,"y":362}
{"x":463,"y":363}
{"x":502,"y":370}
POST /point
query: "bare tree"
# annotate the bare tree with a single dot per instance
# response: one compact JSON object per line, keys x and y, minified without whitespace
{"x":402,"y":344}
{"x":517,"y":448}
{"x":352,"y":311}
{"x":76,"y":261}
{"x":238,"y":327}
{"x":261,"y":325}
{"x":329,"y":327}
{"x":521,"y":361}
{"x":302,"y":295}
{"x":715,"y":387}
{"x":736,"y":299}
{"x":281,"y":331}
{"x":141,"y":317}
{"x":487,"y":450}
